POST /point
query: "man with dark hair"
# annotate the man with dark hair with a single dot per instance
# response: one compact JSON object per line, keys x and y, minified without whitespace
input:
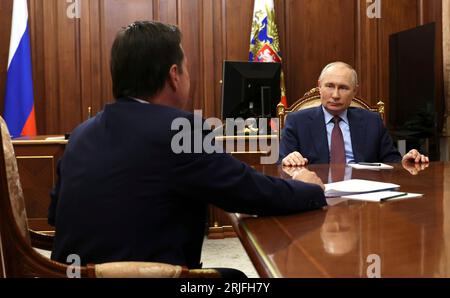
{"x":124,"y":195}
{"x":133,"y":76}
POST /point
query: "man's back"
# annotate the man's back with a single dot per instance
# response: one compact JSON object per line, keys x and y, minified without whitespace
{"x":124,"y":194}
{"x":116,"y":191}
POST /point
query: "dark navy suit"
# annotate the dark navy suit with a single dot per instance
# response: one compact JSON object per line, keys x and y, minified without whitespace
{"x":123,"y":195}
{"x":306,"y":133}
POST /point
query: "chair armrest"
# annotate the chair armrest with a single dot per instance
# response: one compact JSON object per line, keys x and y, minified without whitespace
{"x":41,"y":240}
{"x":148,"y":270}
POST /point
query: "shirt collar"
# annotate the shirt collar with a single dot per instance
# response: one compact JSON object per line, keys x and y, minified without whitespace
{"x":329,"y":117}
{"x":139,"y":100}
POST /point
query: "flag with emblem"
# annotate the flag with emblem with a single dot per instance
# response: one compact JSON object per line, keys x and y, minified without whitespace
{"x":19,"y":99}
{"x":264,"y":40}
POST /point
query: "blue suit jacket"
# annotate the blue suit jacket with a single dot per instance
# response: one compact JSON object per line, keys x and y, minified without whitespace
{"x":306,"y":133}
{"x":124,"y":195}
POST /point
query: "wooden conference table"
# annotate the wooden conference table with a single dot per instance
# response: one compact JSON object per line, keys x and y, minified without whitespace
{"x":410,"y":238}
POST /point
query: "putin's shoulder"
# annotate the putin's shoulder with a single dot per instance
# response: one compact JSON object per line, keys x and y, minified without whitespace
{"x":305,"y":113}
{"x":363,"y":113}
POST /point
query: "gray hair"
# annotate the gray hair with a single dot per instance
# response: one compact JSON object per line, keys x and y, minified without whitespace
{"x":342,"y":64}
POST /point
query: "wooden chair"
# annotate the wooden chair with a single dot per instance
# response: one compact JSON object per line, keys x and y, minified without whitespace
{"x":312,"y":99}
{"x":18,"y":258}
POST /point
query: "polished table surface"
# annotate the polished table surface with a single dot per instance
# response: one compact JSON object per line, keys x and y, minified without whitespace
{"x":405,"y":238}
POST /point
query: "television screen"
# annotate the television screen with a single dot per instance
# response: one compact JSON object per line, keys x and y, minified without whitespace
{"x":250,"y":89}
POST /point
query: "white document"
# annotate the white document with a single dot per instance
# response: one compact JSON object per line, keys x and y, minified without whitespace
{"x":382,"y":196}
{"x":356,"y":186}
{"x":371,"y":166}
{"x":59,"y":138}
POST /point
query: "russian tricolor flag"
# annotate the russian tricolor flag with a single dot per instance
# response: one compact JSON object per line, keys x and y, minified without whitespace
{"x":19,"y":99}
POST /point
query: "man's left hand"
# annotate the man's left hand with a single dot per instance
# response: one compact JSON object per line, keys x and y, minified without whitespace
{"x":415,"y":156}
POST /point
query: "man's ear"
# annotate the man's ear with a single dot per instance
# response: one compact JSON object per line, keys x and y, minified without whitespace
{"x":173,"y":78}
{"x":356,"y":89}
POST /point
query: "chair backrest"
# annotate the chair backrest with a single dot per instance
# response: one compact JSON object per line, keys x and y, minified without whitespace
{"x":13,"y":183}
{"x":312,"y":99}
{"x":19,"y":259}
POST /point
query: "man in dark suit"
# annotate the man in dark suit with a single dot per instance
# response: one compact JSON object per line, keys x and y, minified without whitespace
{"x":123,"y":194}
{"x":362,"y":137}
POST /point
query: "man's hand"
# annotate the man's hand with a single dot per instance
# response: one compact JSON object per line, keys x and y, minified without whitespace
{"x":415,"y":156}
{"x":295,"y":159}
{"x":414,"y":168}
{"x":307,"y":176}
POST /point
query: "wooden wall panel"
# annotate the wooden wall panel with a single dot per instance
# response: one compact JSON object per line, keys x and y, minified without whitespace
{"x":190,"y":22}
{"x":71,"y":56}
{"x":366,"y":54}
{"x":93,"y":93}
{"x":237,"y":27}
{"x":207,"y":53}
{"x":318,"y":32}
{"x":56,"y":67}
{"x":167,"y":11}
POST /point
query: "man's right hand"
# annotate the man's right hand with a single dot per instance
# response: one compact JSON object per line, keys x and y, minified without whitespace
{"x":307,"y":176}
{"x":295,"y":159}
{"x":414,"y":168}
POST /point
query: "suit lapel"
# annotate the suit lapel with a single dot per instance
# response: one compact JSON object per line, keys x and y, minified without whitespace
{"x":318,"y":133}
{"x":357,"y":133}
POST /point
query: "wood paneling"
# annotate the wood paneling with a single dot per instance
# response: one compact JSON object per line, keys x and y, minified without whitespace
{"x":190,"y":23}
{"x":71,"y":56}
{"x":367,"y":58}
{"x":318,"y":32}
{"x":402,"y":15}
{"x":37,"y":161}
{"x":56,"y":66}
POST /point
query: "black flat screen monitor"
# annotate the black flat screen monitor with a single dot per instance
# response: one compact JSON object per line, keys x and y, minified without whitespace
{"x":250,"y":89}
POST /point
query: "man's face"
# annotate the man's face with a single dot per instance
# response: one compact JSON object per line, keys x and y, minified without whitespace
{"x":337,"y":89}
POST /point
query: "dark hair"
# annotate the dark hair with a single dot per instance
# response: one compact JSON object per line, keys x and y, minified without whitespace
{"x":141,"y":57}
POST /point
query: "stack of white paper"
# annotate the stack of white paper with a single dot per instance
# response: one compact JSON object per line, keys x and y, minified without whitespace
{"x":356,"y":186}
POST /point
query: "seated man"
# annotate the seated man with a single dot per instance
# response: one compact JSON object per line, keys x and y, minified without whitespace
{"x":123,"y":194}
{"x":311,"y":136}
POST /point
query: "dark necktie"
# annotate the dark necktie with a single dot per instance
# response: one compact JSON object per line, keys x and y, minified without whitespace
{"x":337,"y":143}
